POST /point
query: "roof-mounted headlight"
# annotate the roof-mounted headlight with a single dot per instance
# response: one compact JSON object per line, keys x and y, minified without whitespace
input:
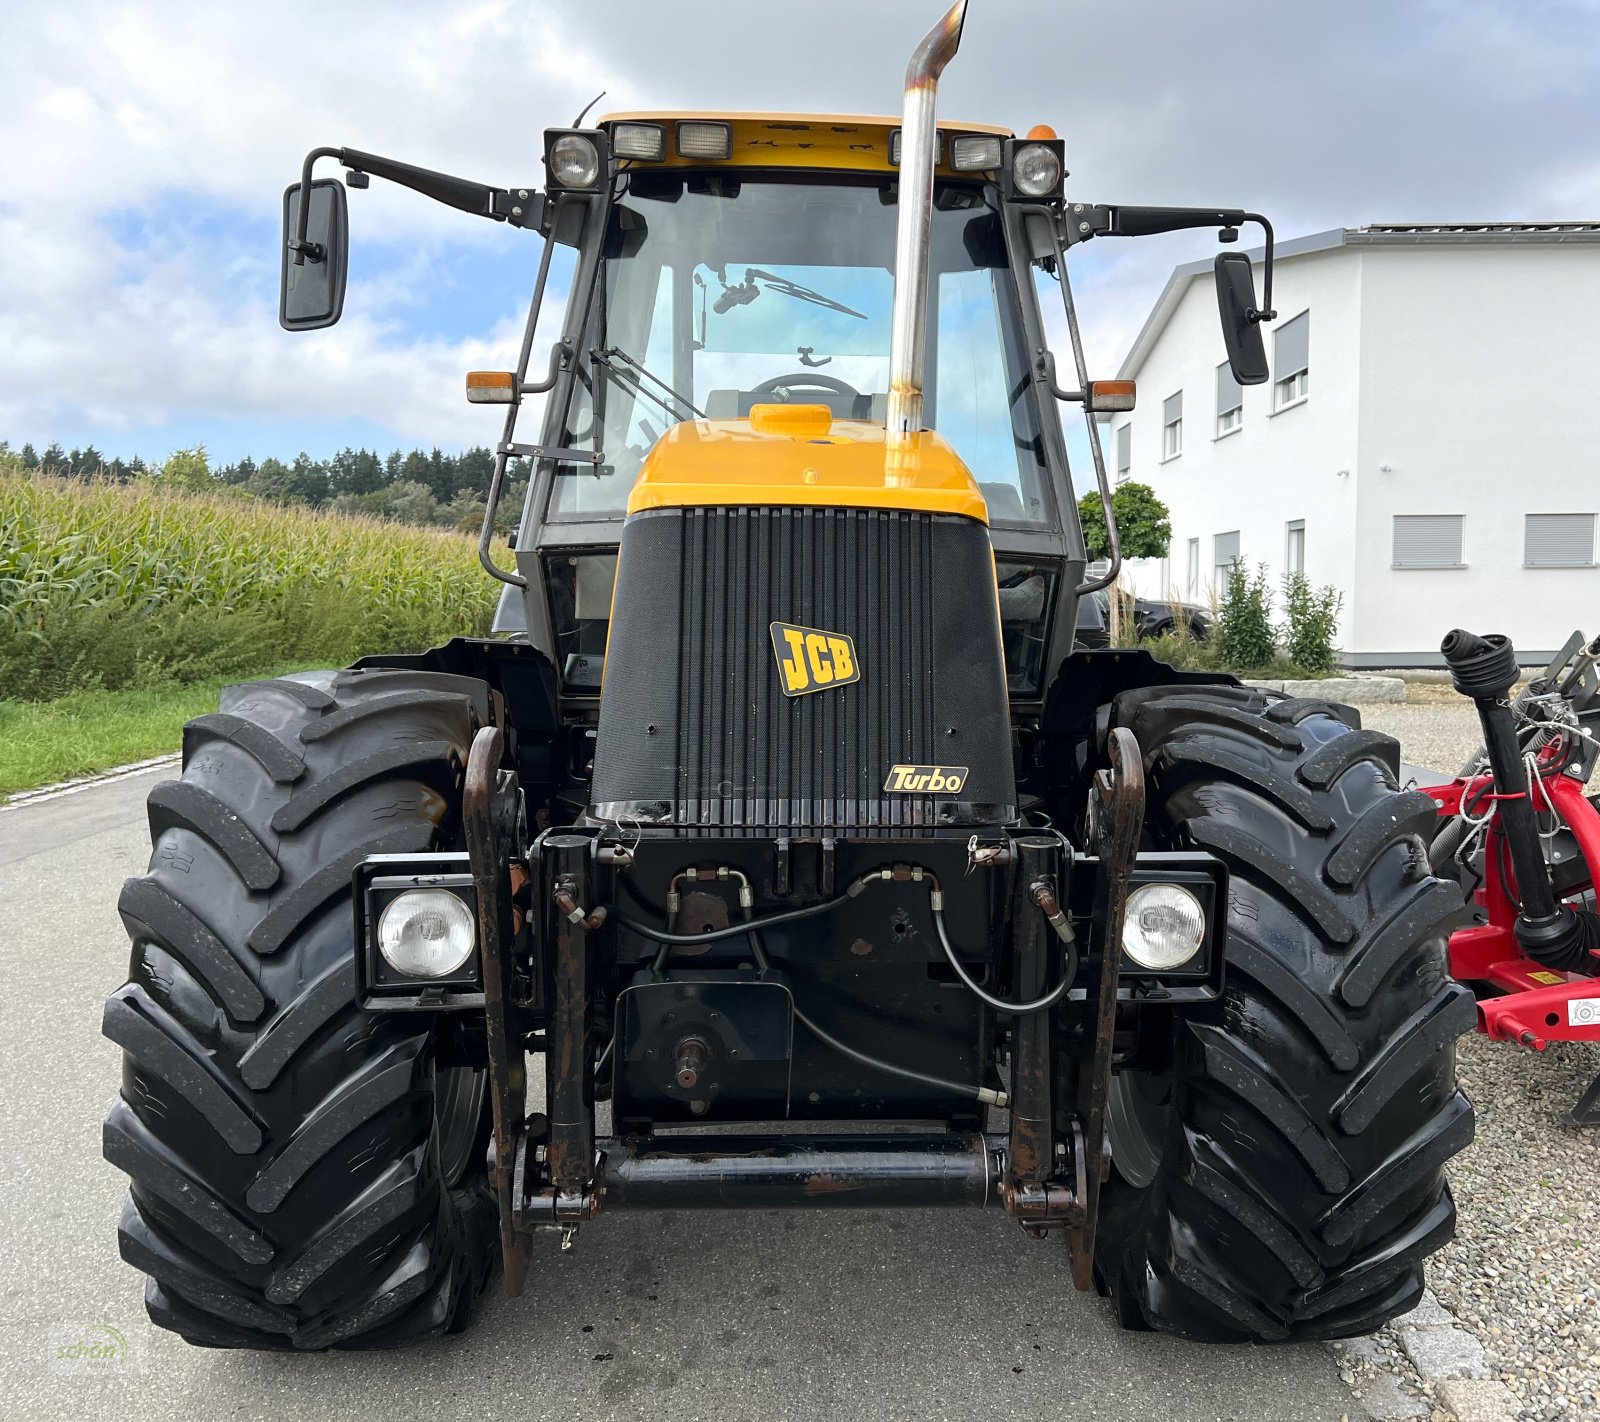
{"x":975,"y":152}
{"x":1036,"y":169}
{"x":575,"y":160}
{"x":647,"y":141}
{"x":702,"y":139}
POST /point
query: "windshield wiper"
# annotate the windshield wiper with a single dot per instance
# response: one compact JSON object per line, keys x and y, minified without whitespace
{"x":625,"y":367}
{"x":747,"y":291}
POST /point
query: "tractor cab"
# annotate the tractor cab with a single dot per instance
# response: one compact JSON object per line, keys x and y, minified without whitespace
{"x":736,"y":302}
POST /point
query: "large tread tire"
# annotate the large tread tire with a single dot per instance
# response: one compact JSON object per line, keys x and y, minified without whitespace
{"x":281,"y":1144}
{"x":1307,"y":1114}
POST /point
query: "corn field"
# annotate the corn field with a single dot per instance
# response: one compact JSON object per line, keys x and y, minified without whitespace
{"x":142,"y":560}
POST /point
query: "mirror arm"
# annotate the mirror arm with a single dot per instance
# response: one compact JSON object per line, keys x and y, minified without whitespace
{"x":522,"y":207}
{"x":302,"y":249}
{"x":1266,"y":313}
{"x":1085,"y":221}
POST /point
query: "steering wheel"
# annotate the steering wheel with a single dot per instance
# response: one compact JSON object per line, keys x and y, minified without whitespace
{"x":781,"y":385}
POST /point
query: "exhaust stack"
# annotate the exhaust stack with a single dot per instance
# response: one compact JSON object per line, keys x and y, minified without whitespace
{"x":918,"y":144}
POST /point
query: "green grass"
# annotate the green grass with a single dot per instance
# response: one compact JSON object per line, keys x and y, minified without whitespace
{"x":42,"y":742}
{"x":142,"y":586}
{"x":125,"y":608}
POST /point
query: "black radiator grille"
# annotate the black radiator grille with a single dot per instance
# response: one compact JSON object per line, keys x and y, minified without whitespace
{"x":694,"y":725}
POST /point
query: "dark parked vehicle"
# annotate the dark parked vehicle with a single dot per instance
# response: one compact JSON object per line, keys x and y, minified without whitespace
{"x":1152,"y":617}
{"x":1093,"y":625}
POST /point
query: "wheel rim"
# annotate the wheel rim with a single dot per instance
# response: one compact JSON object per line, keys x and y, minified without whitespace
{"x":458,"y":1095}
{"x":1137,"y":1110}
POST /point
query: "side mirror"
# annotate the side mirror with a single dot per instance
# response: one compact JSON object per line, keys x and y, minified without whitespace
{"x":1241,"y":318}
{"x":311,"y":294}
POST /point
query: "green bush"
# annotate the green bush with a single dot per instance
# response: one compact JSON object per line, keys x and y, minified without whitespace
{"x":1312,"y":619}
{"x":1243,"y":635}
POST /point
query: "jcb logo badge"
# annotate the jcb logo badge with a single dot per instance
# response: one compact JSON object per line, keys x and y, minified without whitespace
{"x":810,"y":659}
{"x":925,"y":779}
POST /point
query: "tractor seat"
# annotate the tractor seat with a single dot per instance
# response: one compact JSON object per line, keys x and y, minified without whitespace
{"x":737,"y":404}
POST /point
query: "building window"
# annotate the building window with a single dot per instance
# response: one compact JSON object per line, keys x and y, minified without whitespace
{"x":1294,"y":547}
{"x":1558,"y":541}
{"x":1224,"y":554}
{"x":1428,"y":541}
{"x":1194,"y":567}
{"x":1124,"y":451}
{"x":1230,"y":401}
{"x":1172,"y":426}
{"x":1291,"y":361}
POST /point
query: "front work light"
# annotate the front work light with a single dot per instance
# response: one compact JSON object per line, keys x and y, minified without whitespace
{"x":426,"y":933}
{"x":975,"y":152}
{"x":639,"y":140}
{"x":1036,"y":169}
{"x":1163,"y":927}
{"x":574,"y":161}
{"x":702,"y":139}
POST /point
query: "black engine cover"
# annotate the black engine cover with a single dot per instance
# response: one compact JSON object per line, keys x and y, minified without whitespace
{"x":699,"y":725}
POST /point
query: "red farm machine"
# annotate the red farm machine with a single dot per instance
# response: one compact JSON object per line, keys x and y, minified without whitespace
{"x":1522,"y":836}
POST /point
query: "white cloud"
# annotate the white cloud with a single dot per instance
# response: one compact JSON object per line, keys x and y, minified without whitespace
{"x":1317,"y":115}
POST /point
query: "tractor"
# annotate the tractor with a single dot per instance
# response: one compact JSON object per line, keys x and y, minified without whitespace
{"x":780,"y":850}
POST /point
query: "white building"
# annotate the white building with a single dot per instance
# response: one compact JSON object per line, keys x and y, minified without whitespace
{"x":1428,"y":441}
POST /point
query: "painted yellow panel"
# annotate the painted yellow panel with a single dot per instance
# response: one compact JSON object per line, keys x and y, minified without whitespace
{"x":850,"y":142}
{"x":850,"y":465}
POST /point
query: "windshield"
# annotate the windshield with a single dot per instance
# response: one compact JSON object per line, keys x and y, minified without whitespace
{"x":719,"y":293}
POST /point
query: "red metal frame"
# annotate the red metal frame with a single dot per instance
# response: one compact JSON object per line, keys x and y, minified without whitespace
{"x":1536,"y":1005}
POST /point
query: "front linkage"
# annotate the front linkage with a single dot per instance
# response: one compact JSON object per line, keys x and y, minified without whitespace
{"x":550,"y":1171}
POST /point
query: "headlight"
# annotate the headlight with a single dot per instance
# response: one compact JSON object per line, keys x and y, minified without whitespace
{"x":574,"y":161}
{"x":1163,"y":927}
{"x":639,"y":140}
{"x":1036,"y":169}
{"x":426,"y":933}
{"x":975,"y":151}
{"x":698,"y":139}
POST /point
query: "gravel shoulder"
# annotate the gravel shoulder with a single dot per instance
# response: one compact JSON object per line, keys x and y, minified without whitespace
{"x":1521,"y":1273}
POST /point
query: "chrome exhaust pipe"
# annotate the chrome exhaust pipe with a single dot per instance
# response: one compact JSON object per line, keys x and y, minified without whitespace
{"x":919,"y":136}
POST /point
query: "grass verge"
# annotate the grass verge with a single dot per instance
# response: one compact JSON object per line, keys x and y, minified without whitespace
{"x":42,"y":742}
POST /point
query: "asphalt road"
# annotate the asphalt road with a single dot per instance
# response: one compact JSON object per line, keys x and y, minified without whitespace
{"x":882,"y":1316}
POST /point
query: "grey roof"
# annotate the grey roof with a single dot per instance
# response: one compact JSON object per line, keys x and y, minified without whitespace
{"x":1375,"y":234}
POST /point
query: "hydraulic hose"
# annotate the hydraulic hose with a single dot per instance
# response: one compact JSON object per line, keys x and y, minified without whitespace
{"x":987,"y":1095}
{"x":751,"y":929}
{"x":690,"y":940}
{"x":1069,"y":972}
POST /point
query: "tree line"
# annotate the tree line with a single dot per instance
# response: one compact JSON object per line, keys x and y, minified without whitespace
{"x":425,"y":487}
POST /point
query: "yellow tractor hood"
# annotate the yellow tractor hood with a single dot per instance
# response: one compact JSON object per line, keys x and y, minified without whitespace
{"x":798,"y":455}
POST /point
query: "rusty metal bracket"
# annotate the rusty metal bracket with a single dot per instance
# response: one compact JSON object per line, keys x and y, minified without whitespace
{"x":487,"y":809}
{"x":1033,"y":1196}
{"x":568,"y":1197}
{"x":1118,"y":816}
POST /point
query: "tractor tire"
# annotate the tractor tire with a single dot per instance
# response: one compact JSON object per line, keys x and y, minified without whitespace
{"x":303,"y":1175}
{"x":1278,"y":1166}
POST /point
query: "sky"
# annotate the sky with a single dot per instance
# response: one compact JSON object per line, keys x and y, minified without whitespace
{"x":147,"y":147}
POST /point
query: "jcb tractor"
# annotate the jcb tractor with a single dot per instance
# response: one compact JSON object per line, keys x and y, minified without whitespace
{"x":780,"y":851}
